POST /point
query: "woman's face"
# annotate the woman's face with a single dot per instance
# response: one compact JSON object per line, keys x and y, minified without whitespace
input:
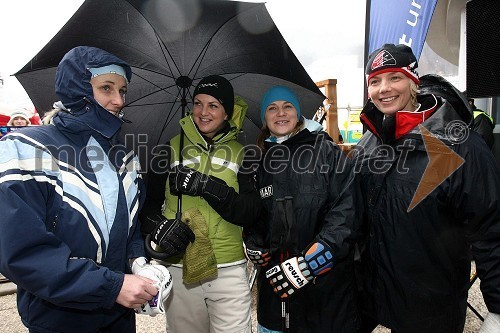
{"x":208,"y":114}
{"x":391,"y":92}
{"x":19,"y":121}
{"x":109,"y":91}
{"x":281,"y":118}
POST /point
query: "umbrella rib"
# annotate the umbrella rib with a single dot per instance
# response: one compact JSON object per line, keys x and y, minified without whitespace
{"x":154,"y":92}
{"x":253,"y":122}
{"x":209,"y":41}
{"x":169,"y":118}
{"x":200,"y":58}
{"x":160,"y":42}
{"x":163,"y":50}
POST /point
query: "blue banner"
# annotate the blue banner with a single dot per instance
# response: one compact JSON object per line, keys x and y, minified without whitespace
{"x":400,"y":22}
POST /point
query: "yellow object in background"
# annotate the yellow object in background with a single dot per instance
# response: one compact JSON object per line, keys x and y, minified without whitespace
{"x":352,"y":129}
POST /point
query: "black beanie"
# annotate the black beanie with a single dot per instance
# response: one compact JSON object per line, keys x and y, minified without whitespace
{"x":219,"y":88}
{"x":392,"y":58}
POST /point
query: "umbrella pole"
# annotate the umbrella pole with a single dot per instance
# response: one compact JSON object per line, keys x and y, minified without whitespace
{"x":178,"y":215}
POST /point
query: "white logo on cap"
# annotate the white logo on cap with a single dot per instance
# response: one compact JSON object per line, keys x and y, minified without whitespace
{"x":203,"y":85}
{"x":383,"y":58}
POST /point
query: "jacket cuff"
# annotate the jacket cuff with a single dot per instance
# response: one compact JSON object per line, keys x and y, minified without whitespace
{"x":116,"y":286}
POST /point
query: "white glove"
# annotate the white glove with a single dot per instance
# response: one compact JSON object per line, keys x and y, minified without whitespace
{"x":163,"y":282}
{"x":491,"y":323}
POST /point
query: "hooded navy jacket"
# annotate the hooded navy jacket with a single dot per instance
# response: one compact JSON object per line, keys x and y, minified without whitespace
{"x":69,"y":200}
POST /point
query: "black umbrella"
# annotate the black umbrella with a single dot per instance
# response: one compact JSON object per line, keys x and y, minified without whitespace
{"x":171,"y":44}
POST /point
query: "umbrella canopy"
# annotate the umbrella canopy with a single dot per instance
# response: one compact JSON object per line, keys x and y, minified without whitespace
{"x":171,"y":45}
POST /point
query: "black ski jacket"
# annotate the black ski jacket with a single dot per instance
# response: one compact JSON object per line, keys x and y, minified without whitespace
{"x":417,"y":261}
{"x":320,"y":196}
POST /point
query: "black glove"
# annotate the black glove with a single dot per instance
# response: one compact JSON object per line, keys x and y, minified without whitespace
{"x":255,"y":251}
{"x":173,"y":236}
{"x":188,"y":181}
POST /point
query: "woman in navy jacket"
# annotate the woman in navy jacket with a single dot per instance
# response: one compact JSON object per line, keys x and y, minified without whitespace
{"x":69,"y":200}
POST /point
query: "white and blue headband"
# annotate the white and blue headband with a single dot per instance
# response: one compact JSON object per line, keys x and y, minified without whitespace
{"x":109,"y":69}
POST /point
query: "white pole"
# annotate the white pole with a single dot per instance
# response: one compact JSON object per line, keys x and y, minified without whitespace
{"x":462,"y":55}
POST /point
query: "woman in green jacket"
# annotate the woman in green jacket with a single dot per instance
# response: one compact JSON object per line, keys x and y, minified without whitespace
{"x":211,"y":291}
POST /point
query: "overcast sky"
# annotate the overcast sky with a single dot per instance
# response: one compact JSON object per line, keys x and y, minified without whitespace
{"x":327,"y":36}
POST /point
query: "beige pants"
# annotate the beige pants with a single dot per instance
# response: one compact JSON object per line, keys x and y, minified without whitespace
{"x":220,"y":305}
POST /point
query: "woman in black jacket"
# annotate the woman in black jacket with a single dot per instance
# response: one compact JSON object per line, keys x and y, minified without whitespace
{"x":305,"y":236}
{"x":431,"y":191}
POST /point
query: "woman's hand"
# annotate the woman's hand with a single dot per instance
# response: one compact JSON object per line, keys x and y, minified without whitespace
{"x":136,"y":290}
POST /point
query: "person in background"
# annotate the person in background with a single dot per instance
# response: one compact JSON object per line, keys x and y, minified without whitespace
{"x":69,"y":232}
{"x":416,"y":259}
{"x":483,"y":123}
{"x":203,"y":248}
{"x":305,"y":239}
{"x":19,"y":118}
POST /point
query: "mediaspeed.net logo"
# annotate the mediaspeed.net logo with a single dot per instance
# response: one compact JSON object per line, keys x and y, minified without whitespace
{"x":443,"y":162}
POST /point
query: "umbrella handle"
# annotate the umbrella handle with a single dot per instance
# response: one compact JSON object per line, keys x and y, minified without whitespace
{"x":151,"y":252}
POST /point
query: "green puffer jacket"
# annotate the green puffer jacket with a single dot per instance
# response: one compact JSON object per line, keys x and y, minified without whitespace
{"x":221,"y":159}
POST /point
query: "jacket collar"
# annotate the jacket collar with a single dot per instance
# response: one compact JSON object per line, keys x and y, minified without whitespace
{"x":191,"y":132}
{"x":91,"y":117}
{"x":392,"y":128}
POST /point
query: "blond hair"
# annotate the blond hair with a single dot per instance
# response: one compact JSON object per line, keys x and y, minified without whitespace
{"x":413,"y":93}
